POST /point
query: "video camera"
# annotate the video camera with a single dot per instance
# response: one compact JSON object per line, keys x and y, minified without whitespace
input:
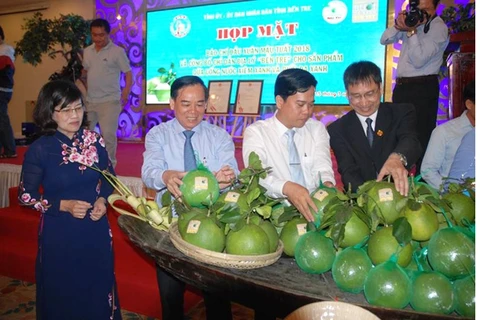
{"x":414,"y":15}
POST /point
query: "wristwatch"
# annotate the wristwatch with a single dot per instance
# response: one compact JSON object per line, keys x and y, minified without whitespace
{"x":411,"y":32}
{"x":402,"y":158}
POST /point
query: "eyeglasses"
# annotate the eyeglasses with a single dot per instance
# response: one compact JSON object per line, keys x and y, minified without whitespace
{"x":370,"y":96}
{"x":70,"y":111}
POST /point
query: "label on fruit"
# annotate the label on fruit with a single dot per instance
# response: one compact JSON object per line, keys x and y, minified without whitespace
{"x":193,"y":226}
{"x":301,"y":228}
{"x":232,"y":196}
{"x":385,"y":195}
{"x":201,"y":183}
{"x":320,"y":195}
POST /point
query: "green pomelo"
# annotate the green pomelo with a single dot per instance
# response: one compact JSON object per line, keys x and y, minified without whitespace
{"x":203,"y":232}
{"x":463,"y":207}
{"x":355,"y":231}
{"x":250,"y":240}
{"x":350,"y":269}
{"x":199,"y":188}
{"x":422,"y":219}
{"x":382,"y":245}
{"x":432,"y":292}
{"x":321,"y":196}
{"x":383,"y":198}
{"x":272,"y":234}
{"x":184,"y":218}
{"x":314,"y":253}
{"x":234,"y":198}
{"x":464,"y":292}
{"x":452,"y":253}
{"x":388,"y":285}
{"x":291,"y":231}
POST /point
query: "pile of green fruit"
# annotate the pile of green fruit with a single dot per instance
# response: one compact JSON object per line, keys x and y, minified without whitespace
{"x":417,"y":250}
{"x":238,"y":221}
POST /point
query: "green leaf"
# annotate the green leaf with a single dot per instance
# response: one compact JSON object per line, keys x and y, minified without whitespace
{"x":254,"y":161}
{"x":252,"y":195}
{"x":264,"y":211}
{"x":230,"y":216}
{"x":237,"y":225}
{"x":402,"y":231}
{"x":413,"y":205}
{"x":166,"y":198}
{"x":288,"y":214}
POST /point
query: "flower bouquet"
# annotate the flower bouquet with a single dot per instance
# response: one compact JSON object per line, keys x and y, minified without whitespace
{"x":85,"y":153}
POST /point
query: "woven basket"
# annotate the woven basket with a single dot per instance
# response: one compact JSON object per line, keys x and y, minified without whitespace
{"x":222,"y":259}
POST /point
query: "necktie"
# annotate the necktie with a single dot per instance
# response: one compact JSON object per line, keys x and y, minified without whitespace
{"x":370,"y":132}
{"x":294,"y":160}
{"x":188,"y":155}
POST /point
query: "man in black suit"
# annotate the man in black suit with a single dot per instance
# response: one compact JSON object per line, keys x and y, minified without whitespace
{"x":374,"y":139}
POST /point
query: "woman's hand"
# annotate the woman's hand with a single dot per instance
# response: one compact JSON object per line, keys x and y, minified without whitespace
{"x":99,"y":209}
{"x":77,"y":208}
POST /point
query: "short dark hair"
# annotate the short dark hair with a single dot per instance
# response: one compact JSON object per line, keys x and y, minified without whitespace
{"x":469,"y":92}
{"x":291,"y":81}
{"x":2,"y":35}
{"x":435,"y":3}
{"x":100,"y":23}
{"x":361,"y":72}
{"x":186,"y":81}
{"x":55,"y":93}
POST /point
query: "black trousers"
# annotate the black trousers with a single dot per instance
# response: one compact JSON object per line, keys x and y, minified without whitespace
{"x":171,"y":298}
{"x":423,"y":93}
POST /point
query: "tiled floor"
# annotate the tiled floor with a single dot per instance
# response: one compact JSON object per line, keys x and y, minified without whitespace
{"x":17,"y":302}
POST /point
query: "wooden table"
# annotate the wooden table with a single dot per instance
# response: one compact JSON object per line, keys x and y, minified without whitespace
{"x":279,"y":288}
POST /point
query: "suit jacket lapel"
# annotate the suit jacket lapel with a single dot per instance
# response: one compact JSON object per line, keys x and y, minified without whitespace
{"x":382,"y":123}
{"x":355,"y":132}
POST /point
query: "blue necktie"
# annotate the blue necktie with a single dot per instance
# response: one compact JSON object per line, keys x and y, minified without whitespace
{"x":188,"y":155}
{"x":294,"y":160}
{"x":370,"y":132}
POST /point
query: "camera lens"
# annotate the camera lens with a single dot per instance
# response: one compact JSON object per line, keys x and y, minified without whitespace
{"x":411,"y":19}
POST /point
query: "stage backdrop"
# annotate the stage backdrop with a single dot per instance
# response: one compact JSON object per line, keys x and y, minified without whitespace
{"x":128,"y":21}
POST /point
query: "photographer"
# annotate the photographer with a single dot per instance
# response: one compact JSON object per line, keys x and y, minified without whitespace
{"x":424,"y":38}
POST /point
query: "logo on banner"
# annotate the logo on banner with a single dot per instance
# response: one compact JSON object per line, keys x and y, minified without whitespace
{"x":180,"y":26}
{"x":335,"y":12}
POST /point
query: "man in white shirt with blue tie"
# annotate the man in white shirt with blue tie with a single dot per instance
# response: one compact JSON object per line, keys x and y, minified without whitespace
{"x":294,"y":175}
{"x":169,"y":148}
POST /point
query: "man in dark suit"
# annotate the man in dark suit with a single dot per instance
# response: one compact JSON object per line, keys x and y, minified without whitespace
{"x":374,"y":139}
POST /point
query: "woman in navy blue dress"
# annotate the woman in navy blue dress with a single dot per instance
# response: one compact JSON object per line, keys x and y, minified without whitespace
{"x":74,"y":269}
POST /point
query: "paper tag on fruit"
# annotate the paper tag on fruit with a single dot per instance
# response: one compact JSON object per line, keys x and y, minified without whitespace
{"x":301,"y":228}
{"x":385,"y":195}
{"x":193,"y":226}
{"x":201,"y":183}
{"x":320,"y":195}
{"x":232,"y":196}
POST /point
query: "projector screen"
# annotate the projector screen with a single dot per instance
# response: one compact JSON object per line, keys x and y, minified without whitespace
{"x":256,"y":40}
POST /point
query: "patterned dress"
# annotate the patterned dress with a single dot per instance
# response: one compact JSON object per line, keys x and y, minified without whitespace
{"x":74,"y":269}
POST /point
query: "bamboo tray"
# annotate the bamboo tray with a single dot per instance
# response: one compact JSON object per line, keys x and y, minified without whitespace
{"x":222,"y":259}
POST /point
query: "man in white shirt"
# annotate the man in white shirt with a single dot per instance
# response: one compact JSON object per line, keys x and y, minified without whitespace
{"x":294,"y":98}
{"x":446,"y":139}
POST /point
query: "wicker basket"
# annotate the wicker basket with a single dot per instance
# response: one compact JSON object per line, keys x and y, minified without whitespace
{"x":222,"y":259}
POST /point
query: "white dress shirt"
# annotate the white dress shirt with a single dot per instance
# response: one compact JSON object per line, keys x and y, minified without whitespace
{"x":443,"y":145}
{"x":364,"y":123}
{"x":267,"y":139}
